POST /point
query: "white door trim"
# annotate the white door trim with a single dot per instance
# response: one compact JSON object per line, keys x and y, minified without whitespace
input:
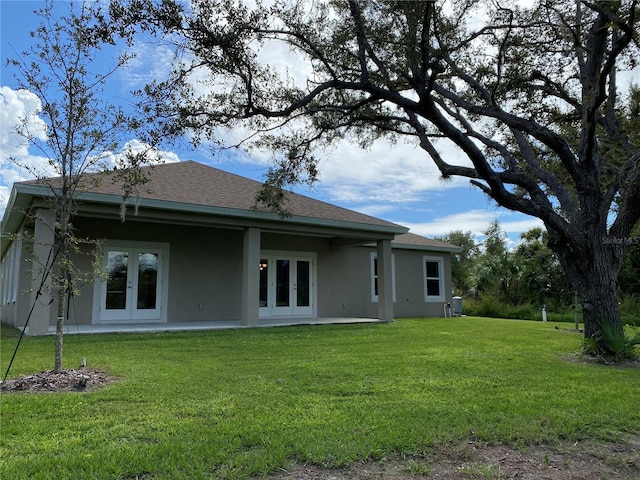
{"x":291,"y":310}
{"x":130,"y":313}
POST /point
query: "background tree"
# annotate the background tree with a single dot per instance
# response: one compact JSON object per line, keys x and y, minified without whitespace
{"x":494,"y":272}
{"x":542,"y":280}
{"x":630,"y":270}
{"x":495,"y":240}
{"x":529,"y":94}
{"x":505,"y":282}
{"x":461,"y":262}
{"x":83,"y":130}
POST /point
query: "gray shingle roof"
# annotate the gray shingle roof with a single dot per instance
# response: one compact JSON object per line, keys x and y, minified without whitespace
{"x":190,"y":183}
{"x":193,"y":183}
{"x":411,"y":240}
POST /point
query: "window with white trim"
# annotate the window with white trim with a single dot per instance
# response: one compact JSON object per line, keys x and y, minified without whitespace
{"x":433,"y":269}
{"x":374,"y":277}
{"x":9,"y":272}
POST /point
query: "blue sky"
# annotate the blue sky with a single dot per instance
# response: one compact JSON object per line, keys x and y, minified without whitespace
{"x":396,"y":182}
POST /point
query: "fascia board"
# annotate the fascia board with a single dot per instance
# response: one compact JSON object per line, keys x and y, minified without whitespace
{"x":423,"y":248}
{"x":435,"y":248}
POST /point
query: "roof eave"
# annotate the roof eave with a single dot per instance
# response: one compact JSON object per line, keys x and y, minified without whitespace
{"x":237,"y":213}
{"x":23,"y":194}
{"x":424,"y":248}
{"x":431,"y":248}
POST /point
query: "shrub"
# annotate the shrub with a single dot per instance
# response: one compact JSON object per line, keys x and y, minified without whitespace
{"x":617,"y":343}
{"x":630,"y":309}
{"x":488,"y":306}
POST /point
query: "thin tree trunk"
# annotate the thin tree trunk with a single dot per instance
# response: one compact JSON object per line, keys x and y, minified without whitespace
{"x":63,"y":284}
{"x":60,"y":322}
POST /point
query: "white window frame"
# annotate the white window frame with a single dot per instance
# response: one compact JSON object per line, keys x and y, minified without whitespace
{"x":440,"y":261}
{"x":374,"y":257}
{"x":10,"y":272}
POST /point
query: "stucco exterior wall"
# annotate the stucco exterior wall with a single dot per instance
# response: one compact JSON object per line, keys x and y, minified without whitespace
{"x":344,"y":284}
{"x":410,"y":285}
{"x":344,"y":278}
{"x":204,"y":267}
{"x":205,"y":273}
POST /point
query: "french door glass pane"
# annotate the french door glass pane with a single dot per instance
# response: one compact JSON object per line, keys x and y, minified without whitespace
{"x":302,"y":275}
{"x":282,"y":283}
{"x":117,"y":269}
{"x":375,"y":276}
{"x":264,"y":281}
{"x":147,"y":280}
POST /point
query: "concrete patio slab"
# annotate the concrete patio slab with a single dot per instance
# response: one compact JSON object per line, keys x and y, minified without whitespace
{"x":71,"y":329}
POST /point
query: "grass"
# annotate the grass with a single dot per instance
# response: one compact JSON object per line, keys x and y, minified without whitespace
{"x":236,"y":403}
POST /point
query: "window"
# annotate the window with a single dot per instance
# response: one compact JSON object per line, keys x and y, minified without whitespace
{"x":10,"y":272}
{"x":374,"y":277}
{"x":433,"y":268}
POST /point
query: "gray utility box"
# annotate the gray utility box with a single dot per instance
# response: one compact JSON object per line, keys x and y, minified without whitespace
{"x":457,"y":306}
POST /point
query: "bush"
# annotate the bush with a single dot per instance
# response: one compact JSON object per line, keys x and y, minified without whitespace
{"x":488,"y":306}
{"x":617,"y":344}
{"x":485,"y":307}
{"x":630,"y":310}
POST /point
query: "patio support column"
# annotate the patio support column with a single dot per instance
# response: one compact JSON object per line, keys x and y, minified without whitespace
{"x":385,"y":287}
{"x":251,"y":277}
{"x":43,"y":240}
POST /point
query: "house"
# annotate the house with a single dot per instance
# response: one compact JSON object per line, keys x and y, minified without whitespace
{"x":198,"y":251}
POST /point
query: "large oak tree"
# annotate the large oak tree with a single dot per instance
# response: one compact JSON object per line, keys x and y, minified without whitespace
{"x":531,"y":95}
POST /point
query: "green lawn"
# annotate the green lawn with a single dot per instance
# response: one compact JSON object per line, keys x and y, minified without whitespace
{"x":235,"y":403}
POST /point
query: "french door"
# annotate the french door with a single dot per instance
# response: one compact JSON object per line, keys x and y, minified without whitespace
{"x":133,"y":289}
{"x":287,"y":285}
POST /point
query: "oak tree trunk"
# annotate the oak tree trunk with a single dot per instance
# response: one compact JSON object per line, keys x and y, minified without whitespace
{"x":592,"y":265}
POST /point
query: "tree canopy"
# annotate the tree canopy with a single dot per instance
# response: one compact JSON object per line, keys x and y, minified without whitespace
{"x":530,"y":94}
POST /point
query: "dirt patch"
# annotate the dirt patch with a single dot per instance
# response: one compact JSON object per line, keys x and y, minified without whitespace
{"x":471,"y":460}
{"x":80,"y":380}
{"x":600,"y":360}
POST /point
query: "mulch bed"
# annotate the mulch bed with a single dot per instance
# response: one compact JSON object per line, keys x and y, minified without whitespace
{"x":80,"y":380}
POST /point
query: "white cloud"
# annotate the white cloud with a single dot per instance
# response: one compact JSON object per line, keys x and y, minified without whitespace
{"x":476,"y":221}
{"x":386,"y":172}
{"x":21,"y":107}
{"x":151,"y":61}
{"x":4,"y":198}
{"x":286,"y":62}
{"x":153,"y":155}
{"x":19,"y":113}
